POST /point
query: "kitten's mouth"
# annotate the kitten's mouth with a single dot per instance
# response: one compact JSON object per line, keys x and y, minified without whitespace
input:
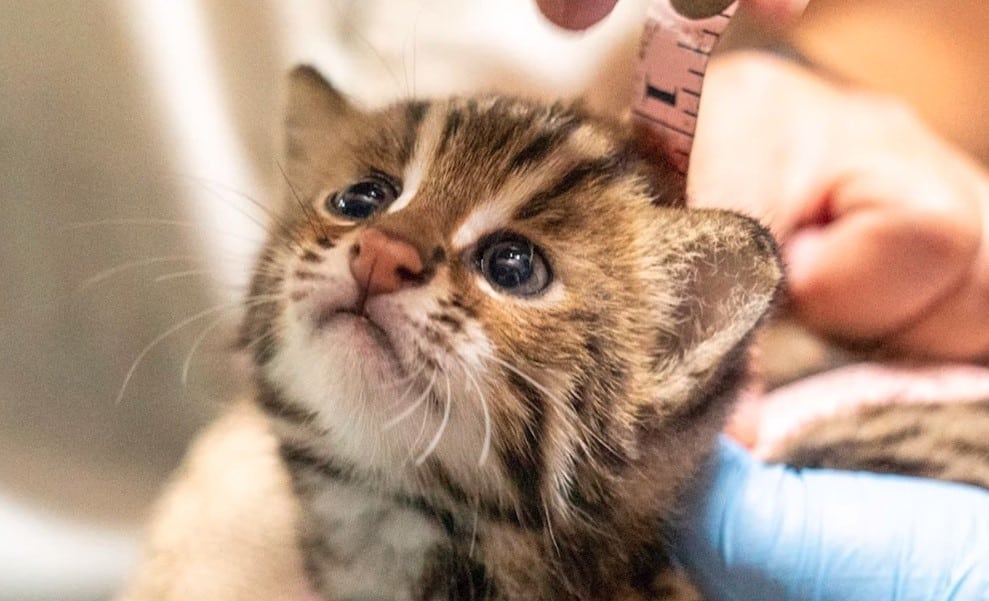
{"x":361,"y":320}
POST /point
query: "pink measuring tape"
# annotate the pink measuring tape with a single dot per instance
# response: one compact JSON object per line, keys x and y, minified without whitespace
{"x":676,"y":45}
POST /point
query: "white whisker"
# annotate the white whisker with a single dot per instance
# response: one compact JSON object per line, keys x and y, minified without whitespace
{"x":442,"y":427}
{"x":409,"y":382}
{"x":555,"y":399}
{"x":549,"y":528}
{"x":183,"y":274}
{"x":186,"y":365}
{"x":486,"y":444}
{"x":77,"y":225}
{"x":411,"y":408}
{"x":419,"y":435}
{"x":108,"y":273}
{"x":525,"y":377}
{"x":154,"y":222}
{"x":147,"y":349}
{"x":473,"y":530}
{"x":265,"y":336}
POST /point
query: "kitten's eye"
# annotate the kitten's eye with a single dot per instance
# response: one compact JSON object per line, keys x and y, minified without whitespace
{"x":362,"y":199}
{"x":512,"y":264}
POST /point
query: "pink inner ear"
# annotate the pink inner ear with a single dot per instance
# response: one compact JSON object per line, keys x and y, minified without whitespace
{"x":764,"y":421}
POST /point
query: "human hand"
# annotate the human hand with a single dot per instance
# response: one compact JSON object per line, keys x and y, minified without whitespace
{"x":756,"y":532}
{"x":581,"y":14}
{"x":881,"y":221}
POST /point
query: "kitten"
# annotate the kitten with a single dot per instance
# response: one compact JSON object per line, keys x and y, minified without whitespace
{"x":490,"y":351}
{"x":492,"y":348}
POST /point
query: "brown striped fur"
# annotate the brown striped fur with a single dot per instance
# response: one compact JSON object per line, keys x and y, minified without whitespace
{"x":948,"y":441}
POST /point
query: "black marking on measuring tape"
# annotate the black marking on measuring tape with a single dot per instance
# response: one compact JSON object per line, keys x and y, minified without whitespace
{"x":669,"y":98}
{"x":673,"y":60}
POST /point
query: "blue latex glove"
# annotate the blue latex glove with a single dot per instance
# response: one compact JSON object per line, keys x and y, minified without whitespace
{"x":768,"y":533}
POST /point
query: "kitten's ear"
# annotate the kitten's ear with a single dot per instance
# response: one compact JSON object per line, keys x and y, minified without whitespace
{"x":314,"y":112}
{"x":725,"y":274}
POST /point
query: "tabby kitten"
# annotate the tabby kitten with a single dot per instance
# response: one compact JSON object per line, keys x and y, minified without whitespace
{"x":492,"y":347}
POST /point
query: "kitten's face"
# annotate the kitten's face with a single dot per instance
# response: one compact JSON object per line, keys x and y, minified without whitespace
{"x":489,"y":286}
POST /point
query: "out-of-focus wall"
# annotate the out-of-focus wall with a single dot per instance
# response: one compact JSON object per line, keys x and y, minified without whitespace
{"x":933,"y":52}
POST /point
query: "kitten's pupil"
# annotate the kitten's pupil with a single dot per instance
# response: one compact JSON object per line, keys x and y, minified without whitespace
{"x":514,"y":265}
{"x":362,"y":199}
{"x":510,"y":265}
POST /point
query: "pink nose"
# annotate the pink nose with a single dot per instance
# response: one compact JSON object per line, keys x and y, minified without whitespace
{"x":382,"y":264}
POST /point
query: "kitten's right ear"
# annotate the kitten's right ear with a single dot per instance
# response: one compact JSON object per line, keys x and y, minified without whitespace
{"x":314,"y":111}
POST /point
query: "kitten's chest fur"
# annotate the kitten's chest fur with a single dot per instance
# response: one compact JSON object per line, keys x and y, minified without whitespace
{"x":367,"y":536}
{"x":360,"y":546}
{"x":417,"y":540}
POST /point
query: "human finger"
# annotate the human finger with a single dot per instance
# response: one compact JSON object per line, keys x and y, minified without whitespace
{"x":575,"y":14}
{"x":578,"y":15}
{"x":775,"y":11}
{"x":890,"y":239}
{"x":872,"y":272}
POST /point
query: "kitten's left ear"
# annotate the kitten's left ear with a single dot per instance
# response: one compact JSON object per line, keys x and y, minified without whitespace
{"x":315,"y":112}
{"x":722,"y":274}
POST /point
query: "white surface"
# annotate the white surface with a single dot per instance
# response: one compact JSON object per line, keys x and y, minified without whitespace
{"x":44,"y":557}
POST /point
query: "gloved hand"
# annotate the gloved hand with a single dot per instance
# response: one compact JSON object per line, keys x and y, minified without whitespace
{"x":757,"y":532}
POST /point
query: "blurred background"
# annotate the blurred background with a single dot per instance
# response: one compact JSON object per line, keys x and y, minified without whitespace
{"x":138,"y":146}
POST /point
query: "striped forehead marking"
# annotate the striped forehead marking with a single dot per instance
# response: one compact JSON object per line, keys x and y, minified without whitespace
{"x":411,"y":179}
{"x":537,"y":170}
{"x":498,"y":212}
{"x":421,"y":159}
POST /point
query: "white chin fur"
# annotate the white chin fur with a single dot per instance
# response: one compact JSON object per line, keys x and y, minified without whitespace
{"x":364,"y":399}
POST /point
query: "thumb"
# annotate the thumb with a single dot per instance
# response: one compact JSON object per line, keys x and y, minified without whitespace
{"x":575,"y":14}
{"x":874,"y":270}
{"x":776,"y":11}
